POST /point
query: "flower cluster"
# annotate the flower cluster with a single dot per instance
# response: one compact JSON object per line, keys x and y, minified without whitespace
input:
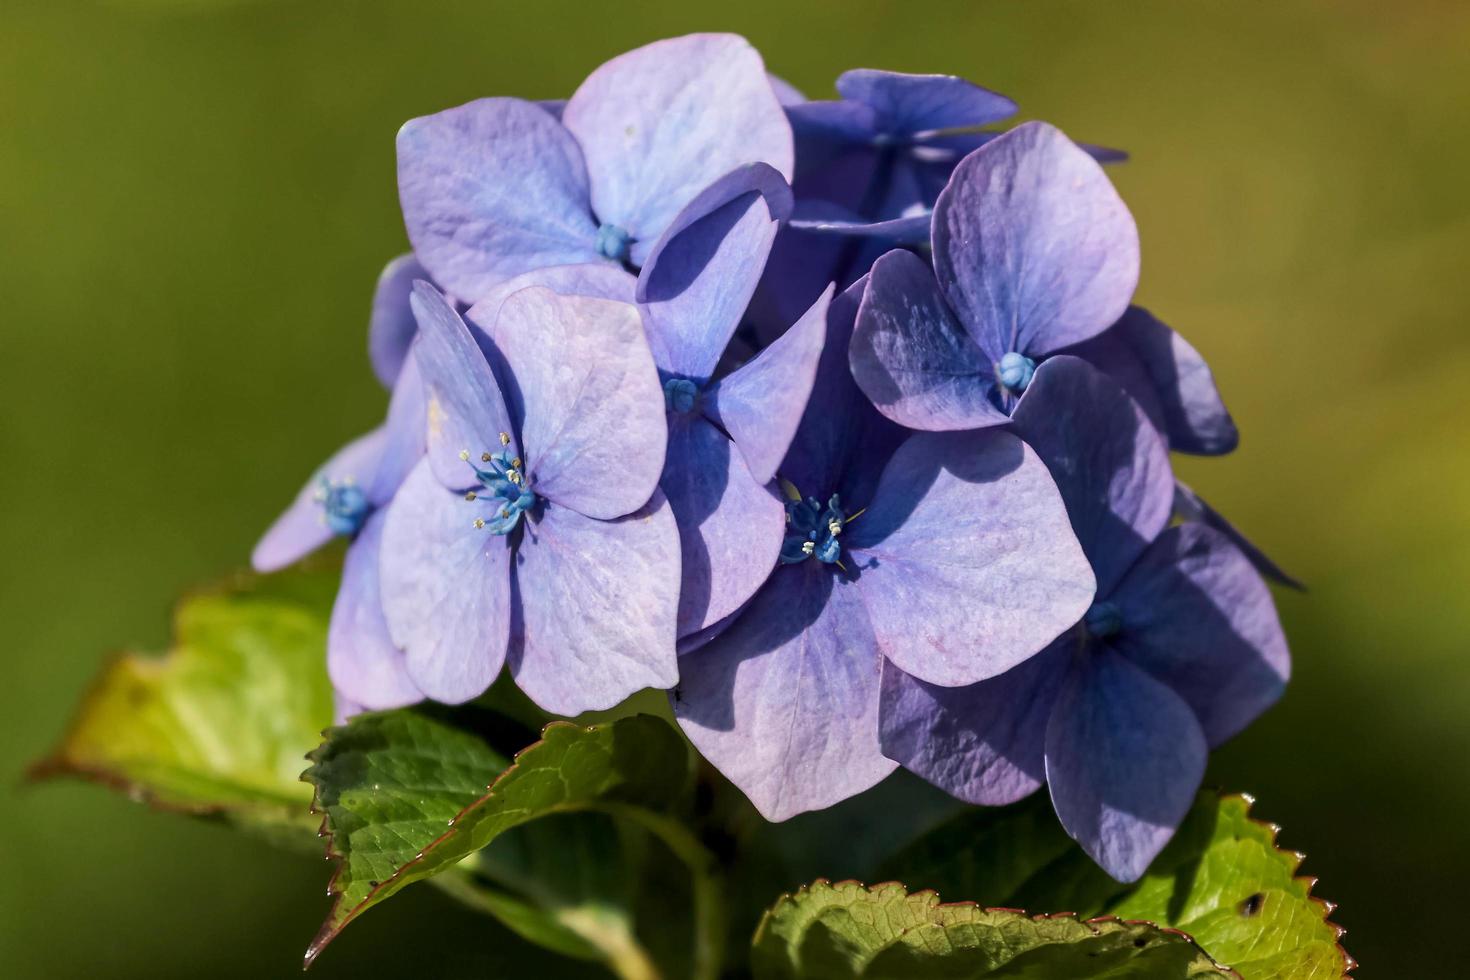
{"x":832,"y":417}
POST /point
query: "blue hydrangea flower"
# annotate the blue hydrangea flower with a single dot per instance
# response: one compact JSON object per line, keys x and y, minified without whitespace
{"x":345,"y":498}
{"x":1033,"y":252}
{"x":946,"y":554}
{"x":1180,"y":649}
{"x":499,"y":187}
{"x":728,"y":429}
{"x":533,"y":532}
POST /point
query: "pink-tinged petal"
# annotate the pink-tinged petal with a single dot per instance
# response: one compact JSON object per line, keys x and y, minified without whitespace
{"x":463,"y":409}
{"x":910,"y":104}
{"x":362,"y":660}
{"x":344,"y":708}
{"x":391,"y":328}
{"x":492,"y":189}
{"x":913,"y":359}
{"x":659,"y":124}
{"x":698,"y":278}
{"x":1109,"y":463}
{"x":761,"y":403}
{"x":730,"y":525}
{"x":785,"y":701}
{"x":594,"y":432}
{"x":597,"y":603}
{"x":786,"y":93}
{"x":303,"y":527}
{"x":1032,"y":245}
{"x":445,"y":587}
{"x":1169,"y":378}
{"x":1198,"y":617}
{"x":965,"y":557}
{"x":1124,"y":758}
{"x":1190,"y":506}
{"x":598,"y":280}
{"x":982,"y":743}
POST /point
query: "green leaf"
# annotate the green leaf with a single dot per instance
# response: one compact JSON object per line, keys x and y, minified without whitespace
{"x":848,"y":930}
{"x":1222,"y":880}
{"x":218,"y":726}
{"x":406,"y":798}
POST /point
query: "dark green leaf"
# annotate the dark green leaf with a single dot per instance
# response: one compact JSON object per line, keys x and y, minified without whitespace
{"x":848,"y":930}
{"x":406,"y":799}
{"x":1222,"y":880}
{"x":219,"y":725}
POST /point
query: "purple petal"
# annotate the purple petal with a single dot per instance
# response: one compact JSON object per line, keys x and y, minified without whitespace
{"x":1124,"y":757}
{"x":446,"y":588}
{"x":597,"y":280}
{"x":786,"y":93}
{"x":344,"y":708}
{"x":965,"y":557}
{"x":842,"y":442}
{"x":407,"y":432}
{"x":698,"y":278}
{"x":730,"y":526}
{"x":910,"y":230}
{"x":761,"y":403}
{"x":597,"y":603}
{"x":785,"y":701}
{"x":362,"y":661}
{"x":303,"y":527}
{"x":1169,"y":378}
{"x":391,"y":327}
{"x":908,"y":104}
{"x":1198,"y":617}
{"x":492,"y":189}
{"x":1032,"y":245}
{"x":1192,"y":507}
{"x":594,"y":430}
{"x":913,"y":358}
{"x":1110,"y":465}
{"x":983,"y":743}
{"x":464,"y":410}
{"x":659,"y":124}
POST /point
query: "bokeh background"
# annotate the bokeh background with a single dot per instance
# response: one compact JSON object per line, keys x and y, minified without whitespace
{"x":195,"y":200}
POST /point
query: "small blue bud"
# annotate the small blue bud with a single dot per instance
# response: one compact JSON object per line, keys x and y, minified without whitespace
{"x":1015,"y":371}
{"x":1103,"y":620}
{"x":680,"y":395}
{"x":613,"y":243}
{"x":345,"y":507}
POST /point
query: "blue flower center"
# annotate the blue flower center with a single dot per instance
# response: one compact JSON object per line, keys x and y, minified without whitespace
{"x":813,"y":531}
{"x":680,"y":395}
{"x":613,"y":242}
{"x":344,"y":506}
{"x":1103,"y":620}
{"x":1015,"y":371}
{"x":503,"y":478}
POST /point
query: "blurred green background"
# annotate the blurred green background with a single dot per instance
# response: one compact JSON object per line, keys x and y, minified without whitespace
{"x":196,"y":197}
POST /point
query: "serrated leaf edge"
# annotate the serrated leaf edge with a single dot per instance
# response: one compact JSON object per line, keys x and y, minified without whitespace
{"x":332,"y":927}
{"x":791,"y":897}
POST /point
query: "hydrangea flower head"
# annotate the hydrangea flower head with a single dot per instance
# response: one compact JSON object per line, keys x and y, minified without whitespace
{"x":1180,"y":649}
{"x":533,"y":531}
{"x":947,"y":554}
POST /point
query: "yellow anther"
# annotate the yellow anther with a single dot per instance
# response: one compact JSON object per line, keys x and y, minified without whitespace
{"x":464,"y":454}
{"x":484,"y":457}
{"x":808,"y":547}
{"x":470,"y":495}
{"x":479,"y":523}
{"x":505,"y":439}
{"x":514,"y":476}
{"x":516,"y":462}
{"x":834,"y":528}
{"x":789,"y":489}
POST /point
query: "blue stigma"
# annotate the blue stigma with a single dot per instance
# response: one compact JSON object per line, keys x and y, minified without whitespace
{"x":680,"y":395}
{"x":1015,"y":371}
{"x":1102,"y":620}
{"x":613,"y":243}
{"x":811,"y":530}
{"x":344,"y":506}
{"x":504,"y":477}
